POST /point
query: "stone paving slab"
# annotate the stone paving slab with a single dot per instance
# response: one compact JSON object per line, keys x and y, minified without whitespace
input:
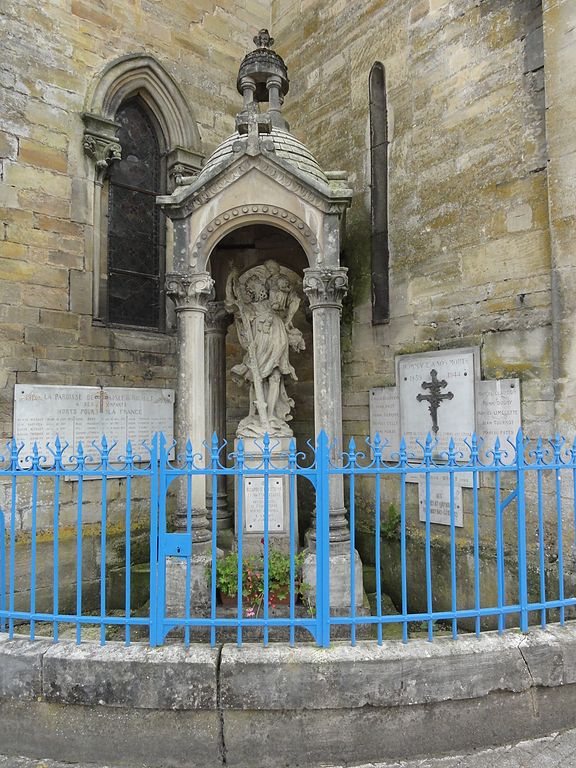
{"x":555,"y":751}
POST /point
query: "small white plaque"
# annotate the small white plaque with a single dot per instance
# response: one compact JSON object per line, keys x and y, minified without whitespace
{"x":498,"y":411}
{"x":385,"y":418}
{"x":85,"y":414}
{"x":437,"y":397}
{"x":463,"y":479}
{"x":254,"y":504}
{"x":440,"y":501}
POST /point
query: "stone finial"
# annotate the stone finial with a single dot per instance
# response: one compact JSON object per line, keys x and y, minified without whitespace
{"x":263,"y":77}
{"x":263,"y":39}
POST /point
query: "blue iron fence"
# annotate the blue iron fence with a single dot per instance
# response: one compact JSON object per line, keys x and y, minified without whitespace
{"x":504,"y":553}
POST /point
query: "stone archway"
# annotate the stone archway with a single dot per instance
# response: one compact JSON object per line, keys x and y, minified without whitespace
{"x":227,"y":403}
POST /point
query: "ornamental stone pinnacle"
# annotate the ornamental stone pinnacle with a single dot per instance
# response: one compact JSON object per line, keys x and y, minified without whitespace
{"x":263,"y":39}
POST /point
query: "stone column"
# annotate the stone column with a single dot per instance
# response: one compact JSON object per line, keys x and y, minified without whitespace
{"x":325,"y":289}
{"x":103,"y":148}
{"x":217,"y":321}
{"x":191,"y":294}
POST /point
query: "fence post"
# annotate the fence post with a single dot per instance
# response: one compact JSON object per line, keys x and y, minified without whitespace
{"x":522,"y":565}
{"x":323,"y":540}
{"x":154,"y":482}
{"x":2,"y":571}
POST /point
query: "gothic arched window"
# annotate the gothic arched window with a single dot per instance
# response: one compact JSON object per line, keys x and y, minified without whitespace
{"x":379,"y":195}
{"x":136,"y":226}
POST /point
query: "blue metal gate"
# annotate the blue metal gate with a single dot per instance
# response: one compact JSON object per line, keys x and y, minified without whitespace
{"x":182,"y":545}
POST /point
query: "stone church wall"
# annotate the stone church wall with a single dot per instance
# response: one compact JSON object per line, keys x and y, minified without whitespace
{"x":52,"y":53}
{"x":468,"y":205}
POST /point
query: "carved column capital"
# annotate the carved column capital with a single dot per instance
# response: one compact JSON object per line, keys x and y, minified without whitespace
{"x":217,"y":318}
{"x":326,"y":287}
{"x":100,"y":142}
{"x":190,"y":291}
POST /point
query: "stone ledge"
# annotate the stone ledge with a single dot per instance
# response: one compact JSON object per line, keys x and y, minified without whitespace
{"x":166,"y":678}
{"x":344,"y":677}
{"x":21,"y":668}
{"x":256,"y":707}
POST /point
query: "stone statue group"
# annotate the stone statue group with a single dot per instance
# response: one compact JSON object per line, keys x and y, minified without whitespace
{"x":264,"y":301}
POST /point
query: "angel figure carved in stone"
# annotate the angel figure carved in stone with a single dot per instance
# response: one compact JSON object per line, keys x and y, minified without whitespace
{"x":264,"y":302}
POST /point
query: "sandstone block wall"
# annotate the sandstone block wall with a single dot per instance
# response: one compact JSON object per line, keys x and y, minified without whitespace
{"x":52,"y":53}
{"x":468,"y":184}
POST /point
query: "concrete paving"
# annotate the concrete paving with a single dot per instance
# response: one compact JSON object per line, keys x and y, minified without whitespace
{"x":555,"y":751}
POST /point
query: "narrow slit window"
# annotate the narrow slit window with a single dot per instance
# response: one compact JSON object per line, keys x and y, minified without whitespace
{"x":136,"y":227}
{"x":380,"y":251}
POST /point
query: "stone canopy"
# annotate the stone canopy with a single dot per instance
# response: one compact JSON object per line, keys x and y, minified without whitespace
{"x":261,"y":175}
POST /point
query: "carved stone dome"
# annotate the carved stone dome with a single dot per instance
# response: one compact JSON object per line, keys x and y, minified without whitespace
{"x":286,"y":147}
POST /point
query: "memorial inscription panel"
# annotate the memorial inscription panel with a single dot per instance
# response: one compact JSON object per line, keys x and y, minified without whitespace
{"x":254,"y":505}
{"x":85,"y":414}
{"x":440,"y":501}
{"x":437,"y":397}
{"x":385,"y":418}
{"x":498,"y":412}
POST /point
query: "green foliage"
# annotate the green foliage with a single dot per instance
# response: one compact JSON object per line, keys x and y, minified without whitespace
{"x":390,"y":525}
{"x":253,"y":578}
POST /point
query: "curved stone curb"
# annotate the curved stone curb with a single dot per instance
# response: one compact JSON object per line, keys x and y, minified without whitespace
{"x":255,"y":707}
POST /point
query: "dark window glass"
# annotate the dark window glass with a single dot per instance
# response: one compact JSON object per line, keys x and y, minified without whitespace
{"x":379,"y":195}
{"x":135,"y":225}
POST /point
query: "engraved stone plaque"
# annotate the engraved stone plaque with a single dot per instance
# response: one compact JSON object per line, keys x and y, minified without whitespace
{"x":440,"y":500}
{"x":385,"y":418}
{"x":498,"y":411}
{"x":254,"y":504}
{"x":436,"y":392}
{"x":84,"y":414}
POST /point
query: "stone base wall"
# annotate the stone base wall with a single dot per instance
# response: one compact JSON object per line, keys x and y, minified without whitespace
{"x":255,"y":707}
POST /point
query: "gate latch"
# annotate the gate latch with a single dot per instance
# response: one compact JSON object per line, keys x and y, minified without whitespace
{"x":178,"y":545}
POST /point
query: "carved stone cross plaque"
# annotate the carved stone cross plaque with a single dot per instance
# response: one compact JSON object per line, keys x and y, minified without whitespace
{"x":434,"y":399}
{"x":445,"y":382}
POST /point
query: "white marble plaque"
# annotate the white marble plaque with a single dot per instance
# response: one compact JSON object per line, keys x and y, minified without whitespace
{"x":385,"y":418}
{"x":254,"y":504}
{"x":437,"y":396}
{"x":498,"y":411}
{"x":84,"y":414}
{"x":463,"y":479}
{"x":440,"y":501}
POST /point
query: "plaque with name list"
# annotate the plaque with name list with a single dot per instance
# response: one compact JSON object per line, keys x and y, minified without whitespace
{"x":385,"y":419}
{"x":254,"y":504}
{"x":85,"y":414}
{"x":498,"y":413}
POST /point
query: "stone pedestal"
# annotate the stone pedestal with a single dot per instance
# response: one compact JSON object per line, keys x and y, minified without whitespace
{"x":340,"y":593}
{"x":253,"y":498}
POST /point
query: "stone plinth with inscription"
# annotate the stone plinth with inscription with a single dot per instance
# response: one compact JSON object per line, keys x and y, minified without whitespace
{"x":85,"y":414}
{"x":254,"y":493}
